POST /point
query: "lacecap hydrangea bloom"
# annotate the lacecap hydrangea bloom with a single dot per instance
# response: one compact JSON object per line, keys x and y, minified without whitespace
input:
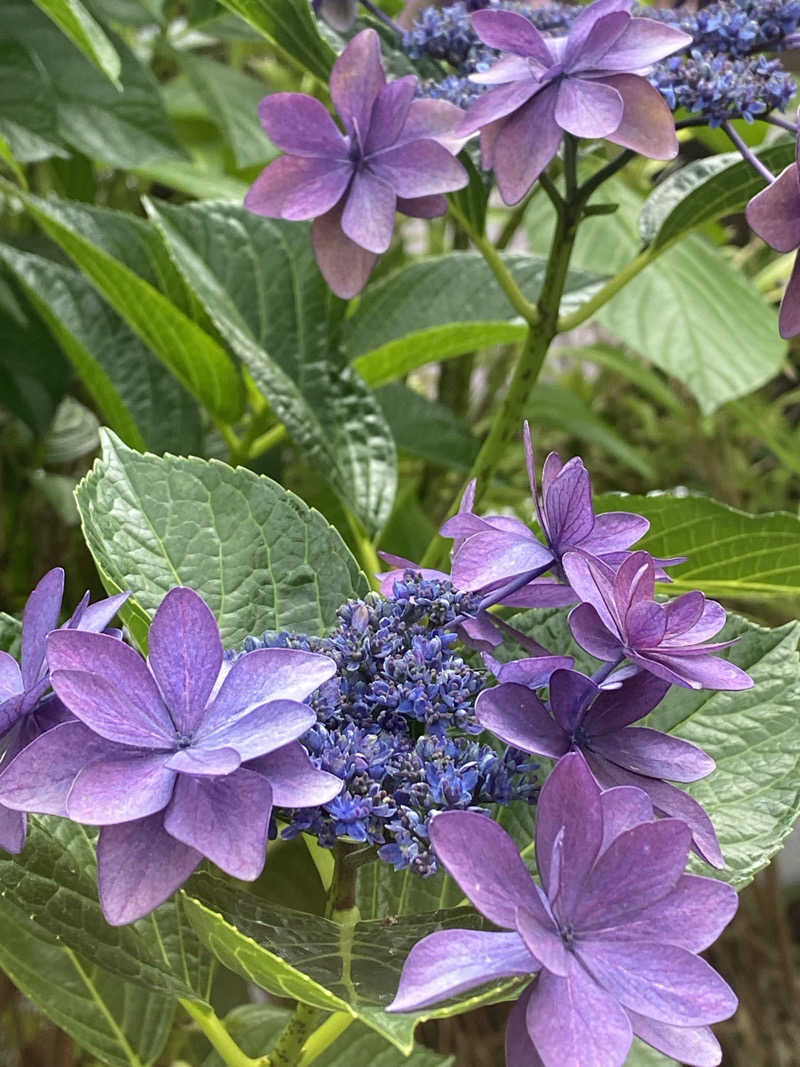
{"x":166,"y":755}
{"x":587,"y":84}
{"x":27,"y":706}
{"x":612,"y":934}
{"x":395,"y":155}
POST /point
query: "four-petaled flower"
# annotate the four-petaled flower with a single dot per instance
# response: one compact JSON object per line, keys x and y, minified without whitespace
{"x":27,"y":708}
{"x":176,"y":758}
{"x":613,"y":932}
{"x":587,"y":84}
{"x":619,"y":619}
{"x":392,"y":157}
{"x":774,"y":214}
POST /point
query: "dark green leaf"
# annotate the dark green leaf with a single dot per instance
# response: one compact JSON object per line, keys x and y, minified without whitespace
{"x":257,"y":553}
{"x":425,"y":428}
{"x":290,"y":25}
{"x":75,"y":21}
{"x":33,"y":374}
{"x":260,"y":285}
{"x":473,"y":200}
{"x":383,"y":891}
{"x":27,"y":106}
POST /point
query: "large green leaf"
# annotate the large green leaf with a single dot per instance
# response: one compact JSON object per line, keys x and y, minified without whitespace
{"x":257,"y":553}
{"x":420,"y":314}
{"x":731,"y":553}
{"x":33,"y":373}
{"x":753,"y":797}
{"x":76,"y":22}
{"x":706,"y":190}
{"x":384,"y":891}
{"x":194,"y":357}
{"x":349,"y":967}
{"x":290,"y":25}
{"x":137,"y":397}
{"x":258,"y":281}
{"x":120,"y":1023}
{"x":426,"y":428}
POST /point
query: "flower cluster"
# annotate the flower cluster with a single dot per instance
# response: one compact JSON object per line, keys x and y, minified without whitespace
{"x":738,"y":27}
{"x":394,"y":723}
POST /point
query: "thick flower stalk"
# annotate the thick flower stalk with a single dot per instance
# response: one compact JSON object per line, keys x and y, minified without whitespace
{"x":613,"y":933}
{"x":395,"y":155}
{"x":166,"y":755}
{"x":587,"y":84}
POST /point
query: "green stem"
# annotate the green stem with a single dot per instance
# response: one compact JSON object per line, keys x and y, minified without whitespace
{"x":267,"y":440}
{"x":610,"y":289}
{"x":288,"y":1050}
{"x":368,"y":557}
{"x":514,"y":221}
{"x":342,"y":893}
{"x":214,"y":1029}
{"x":324,"y":1036}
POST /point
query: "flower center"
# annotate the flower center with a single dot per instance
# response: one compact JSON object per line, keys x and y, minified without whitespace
{"x":567,"y":935}
{"x":184,"y":740}
{"x":579,"y":737}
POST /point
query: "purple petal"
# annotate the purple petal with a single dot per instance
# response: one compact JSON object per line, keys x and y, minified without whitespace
{"x":588,"y":108}
{"x":368,"y":215}
{"x":435,"y":120}
{"x":389,"y":113}
{"x":619,"y":707}
{"x":643,"y":41}
{"x":356,"y":81}
{"x":261,"y":731}
{"x":614,"y":531}
{"x":509,"y":68}
{"x":268,"y":674}
{"x":419,"y":168}
{"x":789,"y":320}
{"x":11,"y":710}
{"x":423,"y":207}
{"x":480,"y":633}
{"x":204,"y":761}
{"x":485,"y":862}
{"x":39,"y":618}
{"x":691,"y":916}
{"x":339,"y":14}
{"x":494,"y":557}
{"x":300,"y":125}
{"x":517,"y":716}
{"x":573,"y":1021}
{"x":509,"y":32}
{"x":647,"y":125}
{"x":589,"y":53}
{"x":520,"y":1051}
{"x":541,"y":593}
{"x":450,"y":962}
{"x":120,"y":787}
{"x":692,"y":619}
{"x":533,"y":671}
{"x":695,"y":1045}
{"x":569,"y":801}
{"x":497,"y":104}
{"x":661,"y":982}
{"x":567,"y":506}
{"x":526,"y":144}
{"x":138,"y":867}
{"x":10,"y":679}
{"x":591,"y":633}
{"x":295,"y":781}
{"x":296,"y":188}
{"x":774,"y":214}
{"x":13,"y":827}
{"x":96,"y":617}
{"x":652,"y":753}
{"x":464,"y":524}
{"x":593,"y":581}
{"x":570,"y":694}
{"x":641,"y":866}
{"x":645,"y":624}
{"x":695,"y":671}
{"x":543,"y":941}
{"x":623,"y":808}
{"x":634,"y":582}
{"x":185,"y":655}
{"x":206,"y":814}
{"x":345,"y":265}
{"x":581,"y":30}
{"x":108,"y":686}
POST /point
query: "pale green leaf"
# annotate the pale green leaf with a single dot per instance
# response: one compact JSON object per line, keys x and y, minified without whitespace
{"x":87,"y":34}
{"x":291,"y":26}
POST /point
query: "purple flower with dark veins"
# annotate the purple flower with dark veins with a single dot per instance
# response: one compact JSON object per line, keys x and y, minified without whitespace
{"x":581,"y":716}
{"x":395,"y":155}
{"x":177,"y":757}
{"x":613,"y":932}
{"x":619,"y":619}
{"x":774,"y":214}
{"x":587,"y":84}
{"x":27,"y":707}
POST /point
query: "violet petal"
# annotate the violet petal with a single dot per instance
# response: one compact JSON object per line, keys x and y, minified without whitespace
{"x":345,"y":265}
{"x":774,"y":213}
{"x":300,"y":125}
{"x":517,"y":716}
{"x":356,"y":81}
{"x":588,"y":108}
{"x":419,"y":168}
{"x":543,"y":941}
{"x":204,"y":761}
{"x":120,"y":787}
{"x":368,"y":214}
{"x":694,"y":1045}
{"x":647,"y":125}
{"x":38,"y":619}
{"x":655,"y":754}
{"x":525,"y":145}
{"x":261,"y":731}
{"x":295,"y":781}
{"x":508,"y":31}
{"x":302,"y":187}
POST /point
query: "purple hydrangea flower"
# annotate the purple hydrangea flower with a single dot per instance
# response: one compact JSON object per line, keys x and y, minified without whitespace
{"x":613,"y":933}
{"x":395,"y":155}
{"x":619,"y":619}
{"x":340,"y":14}
{"x":27,"y":709}
{"x":581,"y":716}
{"x":166,"y":755}
{"x":587,"y":84}
{"x":774,"y":214}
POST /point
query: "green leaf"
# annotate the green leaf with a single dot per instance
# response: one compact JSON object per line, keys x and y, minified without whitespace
{"x":260,"y":285}
{"x":383,"y":891}
{"x":642,"y":1055}
{"x":255,"y":1027}
{"x":76,"y":22}
{"x":338,"y":967}
{"x":120,"y":1023}
{"x":138,"y":398}
{"x":73,"y":433}
{"x":427,"y":429}
{"x":473,"y":200}
{"x":753,"y":797}
{"x":7,"y":156}
{"x":419,"y":314}
{"x":291,"y":26}
{"x":731,"y":553}
{"x":193,"y":356}
{"x":706,"y":190}
{"x":52,"y":887}
{"x":702,"y":321}
{"x":10,"y":635}
{"x":232,"y":98}
{"x":27,"y":107}
{"x":257,"y":553}
{"x":33,"y":374}
{"x":203,"y":183}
